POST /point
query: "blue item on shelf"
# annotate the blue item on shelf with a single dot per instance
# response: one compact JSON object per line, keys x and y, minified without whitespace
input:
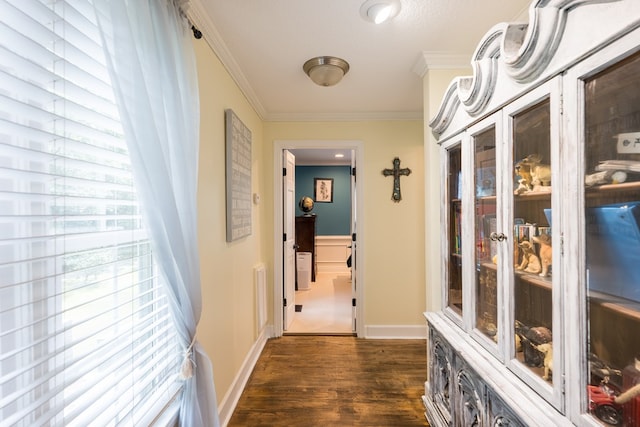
{"x":547,"y":213}
{"x":613,"y":249}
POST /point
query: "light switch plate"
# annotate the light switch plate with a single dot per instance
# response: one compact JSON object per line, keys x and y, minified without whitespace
{"x":628,"y":143}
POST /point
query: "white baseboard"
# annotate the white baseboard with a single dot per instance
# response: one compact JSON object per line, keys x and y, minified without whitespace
{"x":332,"y":267}
{"x":395,"y":331}
{"x":230,"y":400}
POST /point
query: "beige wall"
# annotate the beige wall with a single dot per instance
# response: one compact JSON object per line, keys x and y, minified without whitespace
{"x":394,"y":252}
{"x":227,"y":326}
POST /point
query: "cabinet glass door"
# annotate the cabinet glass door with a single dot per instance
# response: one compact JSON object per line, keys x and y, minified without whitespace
{"x":531,"y":243}
{"x":486,"y":278}
{"x":612,"y":242}
{"x":454,"y":196}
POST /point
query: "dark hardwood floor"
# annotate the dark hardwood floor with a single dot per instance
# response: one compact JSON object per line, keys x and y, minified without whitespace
{"x":335,"y":381}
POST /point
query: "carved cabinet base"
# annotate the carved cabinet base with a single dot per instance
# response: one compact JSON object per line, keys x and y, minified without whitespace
{"x":469,"y":388}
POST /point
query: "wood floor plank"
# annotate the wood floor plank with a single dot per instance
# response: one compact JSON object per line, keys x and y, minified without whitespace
{"x":335,"y":381}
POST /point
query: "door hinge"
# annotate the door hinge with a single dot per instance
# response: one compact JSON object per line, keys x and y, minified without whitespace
{"x":353,"y":237}
{"x":284,"y":302}
{"x":353,"y":302}
{"x":284,"y":237}
{"x":284,"y":171}
{"x":353,"y":171}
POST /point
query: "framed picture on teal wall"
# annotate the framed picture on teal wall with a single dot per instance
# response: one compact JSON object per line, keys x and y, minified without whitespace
{"x":323,"y":190}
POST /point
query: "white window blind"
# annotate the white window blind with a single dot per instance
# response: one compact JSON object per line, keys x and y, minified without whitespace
{"x":86,"y":336}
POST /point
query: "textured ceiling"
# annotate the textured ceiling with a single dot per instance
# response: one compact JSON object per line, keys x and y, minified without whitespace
{"x":264,"y":43}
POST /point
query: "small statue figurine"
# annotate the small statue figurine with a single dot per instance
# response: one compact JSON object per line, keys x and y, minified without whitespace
{"x":522,"y":169}
{"x":546,"y":253}
{"x":534,"y":176}
{"x":547,"y":350}
{"x":530,"y":261}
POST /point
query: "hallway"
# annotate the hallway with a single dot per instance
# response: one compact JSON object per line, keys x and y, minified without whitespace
{"x":326,"y":306}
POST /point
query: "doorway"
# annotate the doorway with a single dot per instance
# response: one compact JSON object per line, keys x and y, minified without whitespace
{"x":338,"y":281}
{"x":324,"y":308}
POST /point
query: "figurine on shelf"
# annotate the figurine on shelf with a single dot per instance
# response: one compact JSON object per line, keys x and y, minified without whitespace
{"x":539,"y":334}
{"x":546,"y":253}
{"x":534,"y":176}
{"x":518,"y":342}
{"x":523,"y":170}
{"x":540,"y":173}
{"x":602,"y":373}
{"x":605,"y":177}
{"x":547,"y":363}
{"x":491,"y":330}
{"x":517,"y":258}
{"x":530,"y":338}
{"x":530,"y":261}
{"x":523,"y":186}
{"x":603,"y":405}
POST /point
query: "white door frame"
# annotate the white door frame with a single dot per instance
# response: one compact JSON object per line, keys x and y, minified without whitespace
{"x":278,"y":233}
{"x":288,"y":247}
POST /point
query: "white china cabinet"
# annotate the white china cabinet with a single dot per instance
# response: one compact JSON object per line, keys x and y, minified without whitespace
{"x":540,"y":150}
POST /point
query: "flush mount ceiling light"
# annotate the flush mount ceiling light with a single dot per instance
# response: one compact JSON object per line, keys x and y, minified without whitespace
{"x":326,"y":70}
{"x":379,"y":11}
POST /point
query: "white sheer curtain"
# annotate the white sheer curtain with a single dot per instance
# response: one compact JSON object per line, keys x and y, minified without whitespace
{"x":152,"y":65}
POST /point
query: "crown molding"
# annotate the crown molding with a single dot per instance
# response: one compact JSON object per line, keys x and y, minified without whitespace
{"x":440,"y":61}
{"x":345,"y":117}
{"x":198,"y":16}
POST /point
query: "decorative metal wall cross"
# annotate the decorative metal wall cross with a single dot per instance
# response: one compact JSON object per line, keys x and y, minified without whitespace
{"x":396,"y":172}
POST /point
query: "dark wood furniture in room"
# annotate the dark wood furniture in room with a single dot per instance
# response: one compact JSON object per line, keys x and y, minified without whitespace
{"x":306,"y":239}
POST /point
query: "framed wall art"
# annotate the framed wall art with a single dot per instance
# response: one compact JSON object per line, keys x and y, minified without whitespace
{"x":323,"y":190}
{"x":238,"y":177}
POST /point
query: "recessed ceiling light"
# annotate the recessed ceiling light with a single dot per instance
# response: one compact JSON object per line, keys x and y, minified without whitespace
{"x":379,"y":11}
{"x":339,"y":156}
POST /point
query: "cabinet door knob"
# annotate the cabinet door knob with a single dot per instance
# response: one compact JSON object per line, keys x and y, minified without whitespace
{"x":497,"y":237}
{"x":296,"y":247}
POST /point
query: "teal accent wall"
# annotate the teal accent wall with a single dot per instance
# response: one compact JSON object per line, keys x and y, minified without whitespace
{"x":332,"y":219}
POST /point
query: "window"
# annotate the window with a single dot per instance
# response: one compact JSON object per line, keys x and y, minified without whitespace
{"x":86,"y":334}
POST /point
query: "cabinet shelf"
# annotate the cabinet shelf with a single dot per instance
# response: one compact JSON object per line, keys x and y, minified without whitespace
{"x":613,"y":189}
{"x":534,"y":279}
{"x":533,"y":195}
{"x":489,"y":266}
{"x":621,"y":306}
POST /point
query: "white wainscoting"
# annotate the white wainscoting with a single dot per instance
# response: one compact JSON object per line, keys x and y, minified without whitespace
{"x":332,"y":253}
